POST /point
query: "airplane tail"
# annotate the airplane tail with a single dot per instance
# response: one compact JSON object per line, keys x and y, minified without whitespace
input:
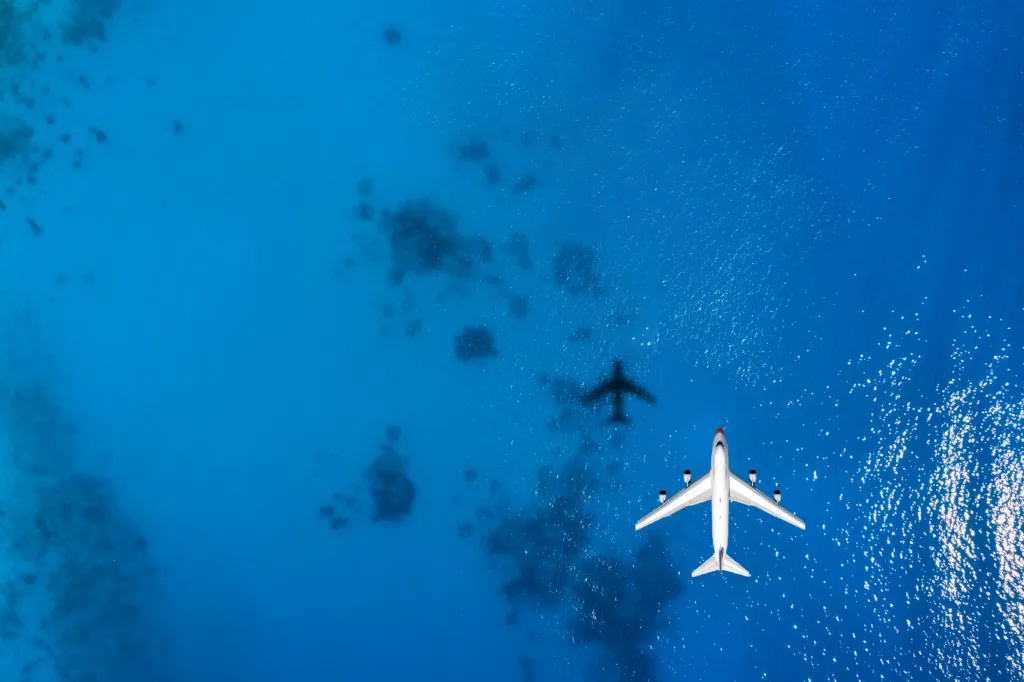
{"x":727,"y":564}
{"x":731,"y":565}
{"x":618,"y":418}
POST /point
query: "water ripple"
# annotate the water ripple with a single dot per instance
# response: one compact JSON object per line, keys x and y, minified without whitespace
{"x":941,"y":519}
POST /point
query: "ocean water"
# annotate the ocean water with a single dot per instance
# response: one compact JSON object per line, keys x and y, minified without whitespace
{"x":299,"y":301}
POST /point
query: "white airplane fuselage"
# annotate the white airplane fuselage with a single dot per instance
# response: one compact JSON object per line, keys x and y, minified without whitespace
{"x":719,"y":487}
{"x":720,"y":495}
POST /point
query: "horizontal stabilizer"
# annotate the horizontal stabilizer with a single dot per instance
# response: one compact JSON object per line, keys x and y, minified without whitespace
{"x":727,"y":563}
{"x":706,"y":567}
{"x":730,"y":564}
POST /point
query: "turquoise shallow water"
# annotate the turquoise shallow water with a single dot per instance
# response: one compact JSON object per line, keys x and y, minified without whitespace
{"x":298,"y":303}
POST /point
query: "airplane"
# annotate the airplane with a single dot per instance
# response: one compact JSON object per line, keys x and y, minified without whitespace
{"x":720,"y":486}
{"x":617,"y":385}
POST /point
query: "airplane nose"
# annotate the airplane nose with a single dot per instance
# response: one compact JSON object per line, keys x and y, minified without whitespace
{"x":720,"y":431}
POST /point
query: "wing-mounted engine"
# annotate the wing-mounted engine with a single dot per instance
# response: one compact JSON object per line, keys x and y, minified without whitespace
{"x":778,"y":496}
{"x":687,"y":477}
{"x":662,"y":496}
{"x":752,"y":477}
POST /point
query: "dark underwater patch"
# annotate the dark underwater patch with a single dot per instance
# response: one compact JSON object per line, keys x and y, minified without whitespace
{"x":518,"y":247}
{"x":86,"y":25}
{"x":392,"y":491}
{"x":364,"y":211}
{"x":79,"y":547}
{"x":413,"y":328}
{"x":616,"y":603}
{"x":425,"y":239}
{"x":566,"y":396}
{"x":619,"y":606}
{"x":575,"y":269}
{"x":474,"y":344}
{"x":15,"y":137}
{"x":524,"y":184}
{"x":472,"y":150}
{"x":84,"y":29}
{"x":518,"y":305}
{"x":540,"y":545}
{"x":526,"y":667}
{"x":492,"y":174}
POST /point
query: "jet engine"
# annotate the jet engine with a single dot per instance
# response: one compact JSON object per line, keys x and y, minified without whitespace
{"x":752,"y":475}
{"x":662,"y":494}
{"x":778,"y":496}
{"x":686,"y":477}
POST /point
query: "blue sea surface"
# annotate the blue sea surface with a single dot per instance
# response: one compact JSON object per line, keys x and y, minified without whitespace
{"x":299,"y":302}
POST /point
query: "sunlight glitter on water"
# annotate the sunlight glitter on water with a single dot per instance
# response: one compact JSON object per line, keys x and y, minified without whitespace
{"x":1006,"y":502}
{"x":943,"y":513}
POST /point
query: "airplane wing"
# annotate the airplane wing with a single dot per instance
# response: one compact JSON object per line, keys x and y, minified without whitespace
{"x":696,"y":492}
{"x":637,"y":391}
{"x":596,"y":394}
{"x":744,"y":493}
